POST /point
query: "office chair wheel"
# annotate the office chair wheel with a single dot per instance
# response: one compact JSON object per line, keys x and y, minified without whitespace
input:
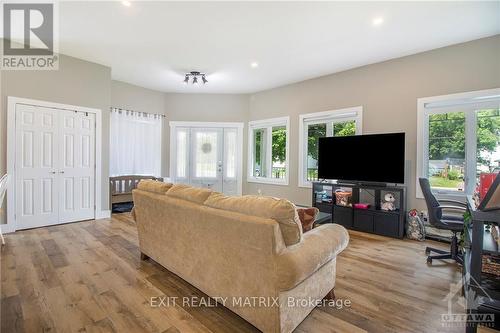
{"x":429,"y":260}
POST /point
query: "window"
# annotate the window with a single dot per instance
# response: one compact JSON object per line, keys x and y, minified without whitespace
{"x":182,"y":153}
{"x":488,"y":141}
{"x":268,"y":151}
{"x":313,"y":126}
{"x":458,"y":139}
{"x":230,"y":152}
{"x":446,"y":163}
{"x":135,"y":143}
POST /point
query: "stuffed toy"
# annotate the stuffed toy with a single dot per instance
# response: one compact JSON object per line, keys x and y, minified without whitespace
{"x":415,"y":227}
{"x":343,"y":198}
{"x":388,"y":203}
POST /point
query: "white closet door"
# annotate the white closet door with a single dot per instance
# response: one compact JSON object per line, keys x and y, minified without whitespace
{"x":36,"y":166}
{"x":77,"y":171}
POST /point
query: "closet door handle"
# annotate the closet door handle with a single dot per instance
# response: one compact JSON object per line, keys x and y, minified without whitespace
{"x":52,"y":172}
{"x":60,"y":172}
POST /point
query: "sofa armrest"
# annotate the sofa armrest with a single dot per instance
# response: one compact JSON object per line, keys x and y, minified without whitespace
{"x":318,"y":246}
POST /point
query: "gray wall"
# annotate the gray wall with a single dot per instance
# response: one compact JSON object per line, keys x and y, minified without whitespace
{"x":388,"y":92}
{"x":179,"y":107}
{"x":131,"y":97}
{"x":77,"y":82}
{"x":206,"y":107}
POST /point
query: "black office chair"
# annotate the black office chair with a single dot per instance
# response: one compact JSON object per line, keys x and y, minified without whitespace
{"x":440,"y":220}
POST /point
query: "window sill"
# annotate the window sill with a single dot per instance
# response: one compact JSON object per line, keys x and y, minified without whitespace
{"x":449,"y":193}
{"x":305,"y":184}
{"x":444,"y":194}
{"x":269,"y":181}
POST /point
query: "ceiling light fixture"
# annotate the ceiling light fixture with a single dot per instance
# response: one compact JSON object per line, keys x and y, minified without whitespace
{"x":126,"y":3}
{"x":195,"y":76}
{"x":378,"y":21}
{"x":254,"y":64}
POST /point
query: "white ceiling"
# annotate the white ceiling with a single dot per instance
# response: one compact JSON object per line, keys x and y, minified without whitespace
{"x":152,"y":44}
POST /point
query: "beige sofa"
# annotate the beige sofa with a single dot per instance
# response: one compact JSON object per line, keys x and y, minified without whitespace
{"x":247,"y":252}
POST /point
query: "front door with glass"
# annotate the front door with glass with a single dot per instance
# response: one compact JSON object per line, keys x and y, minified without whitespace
{"x":206,"y":157}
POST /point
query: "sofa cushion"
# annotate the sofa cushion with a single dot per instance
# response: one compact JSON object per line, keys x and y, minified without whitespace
{"x":153,"y":186}
{"x":280,"y":210}
{"x":189,"y":193}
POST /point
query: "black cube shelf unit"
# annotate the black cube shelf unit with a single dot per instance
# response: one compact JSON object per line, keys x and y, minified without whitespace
{"x":373,"y":220}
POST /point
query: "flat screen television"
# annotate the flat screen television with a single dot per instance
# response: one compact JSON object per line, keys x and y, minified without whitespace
{"x":377,"y":158}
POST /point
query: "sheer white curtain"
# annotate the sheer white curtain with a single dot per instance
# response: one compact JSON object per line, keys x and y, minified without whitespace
{"x":135,"y":147}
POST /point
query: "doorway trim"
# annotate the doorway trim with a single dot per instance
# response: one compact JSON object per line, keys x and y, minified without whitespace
{"x":99,"y":212}
{"x":239,"y":126}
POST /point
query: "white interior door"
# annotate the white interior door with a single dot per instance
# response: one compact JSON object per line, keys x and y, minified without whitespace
{"x":206,"y":158}
{"x":36,"y":166}
{"x":77,"y":170}
{"x":54,"y":166}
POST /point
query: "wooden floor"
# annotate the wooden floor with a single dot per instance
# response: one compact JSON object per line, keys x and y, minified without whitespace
{"x":88,"y":277}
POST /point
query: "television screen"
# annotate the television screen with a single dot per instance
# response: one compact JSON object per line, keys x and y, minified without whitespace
{"x":376,"y":158}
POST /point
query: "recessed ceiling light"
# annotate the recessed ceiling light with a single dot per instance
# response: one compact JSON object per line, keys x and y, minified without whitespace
{"x":126,"y":3}
{"x":378,"y":21}
{"x":254,"y":64}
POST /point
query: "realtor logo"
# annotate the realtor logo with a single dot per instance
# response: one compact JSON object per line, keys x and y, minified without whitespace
{"x":28,"y":36}
{"x":467,"y":316}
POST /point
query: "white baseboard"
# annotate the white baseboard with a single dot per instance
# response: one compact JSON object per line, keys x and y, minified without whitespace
{"x":103,"y":214}
{"x":7,"y":228}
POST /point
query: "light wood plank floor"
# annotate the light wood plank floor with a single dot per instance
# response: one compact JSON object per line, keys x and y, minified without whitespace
{"x":88,"y":277}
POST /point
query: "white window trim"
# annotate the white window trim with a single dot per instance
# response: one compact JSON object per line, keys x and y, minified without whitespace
{"x":342,"y":115}
{"x":272,"y":122}
{"x":467,"y":102}
{"x":187,"y":124}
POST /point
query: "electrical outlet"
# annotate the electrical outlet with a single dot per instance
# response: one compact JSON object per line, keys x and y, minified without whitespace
{"x":259,"y":191}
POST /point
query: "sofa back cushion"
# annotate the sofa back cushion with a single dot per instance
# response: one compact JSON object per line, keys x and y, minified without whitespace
{"x":280,"y":210}
{"x":189,"y":193}
{"x":154,"y":186}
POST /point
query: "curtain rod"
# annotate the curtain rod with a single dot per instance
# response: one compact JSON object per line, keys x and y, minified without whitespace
{"x":149,"y":113}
